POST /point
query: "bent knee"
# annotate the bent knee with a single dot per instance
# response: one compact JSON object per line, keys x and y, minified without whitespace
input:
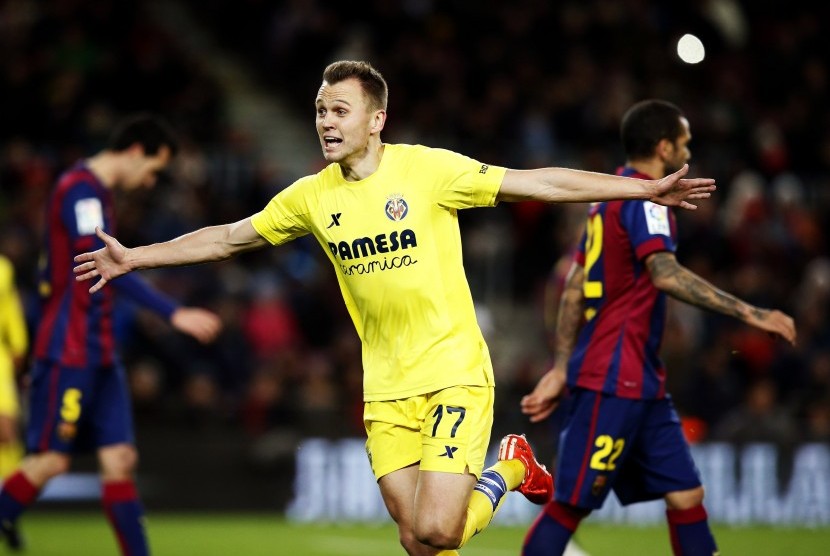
{"x":59,"y":465}
{"x":439,"y":535}
{"x":409,"y":542}
{"x":118,"y":462}
{"x":43,"y":466}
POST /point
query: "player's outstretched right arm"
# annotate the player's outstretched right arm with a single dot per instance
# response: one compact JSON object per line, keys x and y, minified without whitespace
{"x":213,"y":243}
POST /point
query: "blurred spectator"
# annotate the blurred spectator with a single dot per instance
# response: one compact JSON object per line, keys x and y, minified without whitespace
{"x":817,"y":418}
{"x":319,"y":398}
{"x":759,"y":418}
{"x":266,"y":405}
{"x":714,"y":385}
{"x":270,"y":324}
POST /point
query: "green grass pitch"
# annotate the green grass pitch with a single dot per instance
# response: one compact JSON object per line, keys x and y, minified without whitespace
{"x":72,"y":533}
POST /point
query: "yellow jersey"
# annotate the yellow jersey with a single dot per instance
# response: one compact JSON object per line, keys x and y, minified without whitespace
{"x":14,"y":337}
{"x":395,"y":244}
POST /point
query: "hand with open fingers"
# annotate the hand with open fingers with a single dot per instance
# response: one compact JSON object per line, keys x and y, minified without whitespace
{"x":108,"y":263}
{"x":675,"y":190}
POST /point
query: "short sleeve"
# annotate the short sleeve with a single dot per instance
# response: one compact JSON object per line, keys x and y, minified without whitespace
{"x":651,"y":227}
{"x":82,"y":210}
{"x":460,"y":181}
{"x":285,"y":217}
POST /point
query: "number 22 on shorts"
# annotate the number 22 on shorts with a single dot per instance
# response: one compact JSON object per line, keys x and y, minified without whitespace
{"x":607,"y":452}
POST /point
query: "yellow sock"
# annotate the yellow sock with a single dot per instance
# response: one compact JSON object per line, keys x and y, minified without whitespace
{"x":513,"y":471}
{"x":480,"y":511}
{"x":10,"y":455}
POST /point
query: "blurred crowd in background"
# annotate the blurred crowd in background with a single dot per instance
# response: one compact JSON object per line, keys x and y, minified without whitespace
{"x":522,"y":84}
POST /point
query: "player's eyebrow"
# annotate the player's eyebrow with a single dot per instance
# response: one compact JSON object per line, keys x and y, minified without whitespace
{"x":333,"y":101}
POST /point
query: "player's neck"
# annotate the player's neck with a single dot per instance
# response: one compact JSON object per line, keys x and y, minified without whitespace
{"x":104,"y":166}
{"x":654,"y":169}
{"x":363,"y":167}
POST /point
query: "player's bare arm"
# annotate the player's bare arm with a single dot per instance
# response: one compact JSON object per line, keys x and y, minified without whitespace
{"x":569,"y":315}
{"x":213,"y":243}
{"x":676,"y":280}
{"x":544,"y":399}
{"x":563,"y":185}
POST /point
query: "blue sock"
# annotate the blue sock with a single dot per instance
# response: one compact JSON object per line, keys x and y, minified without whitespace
{"x":689,"y":532}
{"x":492,"y":485}
{"x":553,"y":528}
{"x":125,"y":514}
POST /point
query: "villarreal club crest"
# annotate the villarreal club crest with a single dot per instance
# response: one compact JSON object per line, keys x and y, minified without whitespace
{"x":396,"y":207}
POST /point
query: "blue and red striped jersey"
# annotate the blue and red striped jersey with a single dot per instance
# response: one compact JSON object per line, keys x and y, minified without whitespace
{"x":617,"y":351}
{"x":75,"y":327}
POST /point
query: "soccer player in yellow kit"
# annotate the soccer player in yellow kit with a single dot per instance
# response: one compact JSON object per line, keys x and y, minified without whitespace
{"x":14,"y":342}
{"x":386,"y":215}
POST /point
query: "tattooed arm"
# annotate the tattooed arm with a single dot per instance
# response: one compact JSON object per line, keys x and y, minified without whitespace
{"x":678,"y":281}
{"x":545,"y":397}
{"x":569,"y":315}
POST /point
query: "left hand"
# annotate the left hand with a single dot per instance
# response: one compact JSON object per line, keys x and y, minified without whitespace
{"x":675,"y":191}
{"x":199,"y":323}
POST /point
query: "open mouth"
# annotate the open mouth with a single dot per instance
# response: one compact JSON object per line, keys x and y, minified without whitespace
{"x":332,"y":141}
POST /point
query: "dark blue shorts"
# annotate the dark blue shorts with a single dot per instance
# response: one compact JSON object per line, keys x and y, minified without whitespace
{"x":73,"y":409}
{"x":634,"y":447}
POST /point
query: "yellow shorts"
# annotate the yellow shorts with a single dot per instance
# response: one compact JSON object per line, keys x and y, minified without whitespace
{"x":9,"y":405}
{"x":448,"y":431}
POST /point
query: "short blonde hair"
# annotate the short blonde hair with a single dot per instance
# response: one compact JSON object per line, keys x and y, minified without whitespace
{"x":372,"y":82}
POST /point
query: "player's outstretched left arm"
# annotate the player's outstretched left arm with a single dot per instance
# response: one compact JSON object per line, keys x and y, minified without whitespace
{"x":676,"y":280}
{"x":564,"y":185}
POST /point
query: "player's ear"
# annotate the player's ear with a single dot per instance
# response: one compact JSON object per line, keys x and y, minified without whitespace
{"x":378,"y":121}
{"x":665,"y":149}
{"x":136,"y":149}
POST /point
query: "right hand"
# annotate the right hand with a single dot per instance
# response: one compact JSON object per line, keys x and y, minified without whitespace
{"x":109,"y":262}
{"x":540,"y":403}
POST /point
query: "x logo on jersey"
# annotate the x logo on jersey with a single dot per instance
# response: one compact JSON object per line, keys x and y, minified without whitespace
{"x":450,"y":450}
{"x":335,"y":220}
